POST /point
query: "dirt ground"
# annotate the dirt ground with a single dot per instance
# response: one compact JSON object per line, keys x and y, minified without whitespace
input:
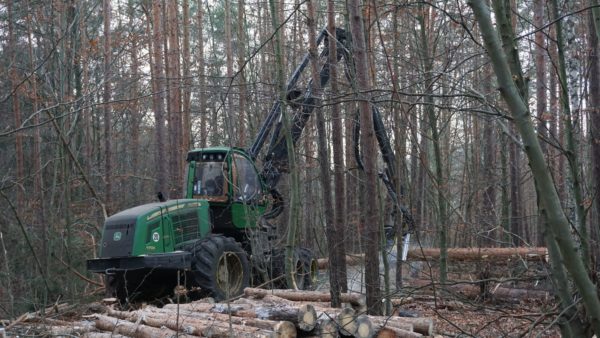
{"x":489,"y":320}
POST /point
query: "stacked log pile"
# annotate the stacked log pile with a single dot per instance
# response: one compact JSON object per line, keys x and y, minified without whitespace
{"x":261,"y":313}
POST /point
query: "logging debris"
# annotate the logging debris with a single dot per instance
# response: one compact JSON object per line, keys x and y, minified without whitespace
{"x":261,"y":313}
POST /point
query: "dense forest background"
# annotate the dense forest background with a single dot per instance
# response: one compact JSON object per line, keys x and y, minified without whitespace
{"x":100,"y":101}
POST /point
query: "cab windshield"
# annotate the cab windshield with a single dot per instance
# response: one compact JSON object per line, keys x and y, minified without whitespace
{"x":209,"y":180}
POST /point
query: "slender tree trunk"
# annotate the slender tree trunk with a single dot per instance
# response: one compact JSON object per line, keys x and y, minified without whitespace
{"x":352,"y":209}
{"x":187,"y":82}
{"x":241,"y":50}
{"x":558,"y":223}
{"x":432,"y":117}
{"x":325,"y":177}
{"x":229,"y":121}
{"x":107,"y":109}
{"x":569,"y":120}
{"x":338,"y":160}
{"x":594,"y":113}
{"x":502,"y":8}
{"x":16,"y":106}
{"x":135,"y":113}
{"x":158,"y":99}
{"x":294,"y":182}
{"x":201,"y":74}
{"x":174,"y":106}
{"x":540,"y":89}
{"x":490,"y":141}
{"x":38,"y":175}
{"x":401,"y":125}
{"x":516,"y":203}
{"x":369,"y":151}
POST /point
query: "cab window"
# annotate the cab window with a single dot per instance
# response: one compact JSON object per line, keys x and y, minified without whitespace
{"x":209,"y":177}
{"x":247,"y":184}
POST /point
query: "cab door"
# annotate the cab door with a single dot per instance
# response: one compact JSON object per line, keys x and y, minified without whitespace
{"x":249,"y":202}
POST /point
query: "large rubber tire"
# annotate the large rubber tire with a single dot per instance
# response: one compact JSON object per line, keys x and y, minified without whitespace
{"x":310,"y":268}
{"x":305,"y":272}
{"x":135,"y":285}
{"x":115,"y":287}
{"x":220,"y":268}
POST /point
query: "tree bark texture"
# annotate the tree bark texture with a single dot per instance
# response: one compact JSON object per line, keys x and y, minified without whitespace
{"x":106,"y":97}
{"x":369,"y":149}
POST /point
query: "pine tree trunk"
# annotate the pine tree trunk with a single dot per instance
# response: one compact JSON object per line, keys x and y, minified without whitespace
{"x":369,"y":151}
{"x":39,"y":202}
{"x":201,"y":75}
{"x":135,"y":113}
{"x":229,"y":109}
{"x":187,"y":82}
{"x":540,"y":88}
{"x":107,"y":110}
{"x":158,"y":99}
{"x":339,"y":194}
{"x":16,"y":106}
{"x":324,"y":177}
{"x":241,"y":50}
{"x":175,"y":114}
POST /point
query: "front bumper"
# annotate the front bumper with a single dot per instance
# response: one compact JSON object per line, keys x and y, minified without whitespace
{"x":178,"y":260}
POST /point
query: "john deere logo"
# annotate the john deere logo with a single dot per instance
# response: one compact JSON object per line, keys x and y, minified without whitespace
{"x":117,"y":236}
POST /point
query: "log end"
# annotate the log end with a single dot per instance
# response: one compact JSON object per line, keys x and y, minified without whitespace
{"x":328,"y":329}
{"x":364,"y":327}
{"x":307,"y":317}
{"x":346,"y":319}
{"x":285,"y":329}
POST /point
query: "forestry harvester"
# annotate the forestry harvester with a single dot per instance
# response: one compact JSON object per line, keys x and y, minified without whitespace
{"x":218,"y":239}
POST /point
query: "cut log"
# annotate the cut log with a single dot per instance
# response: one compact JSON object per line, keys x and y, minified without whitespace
{"x":356,"y":299}
{"x":392,"y":332}
{"x":346,"y":321}
{"x":371,"y":326}
{"x":282,"y":328}
{"x":350,"y":260}
{"x":389,"y":322}
{"x":422,"y":325}
{"x":103,"y":335}
{"x":207,"y":307}
{"x":472,"y":291}
{"x":307,"y":318}
{"x":328,"y":329}
{"x":128,"y":328}
{"x":481,"y":254}
{"x":209,"y":326}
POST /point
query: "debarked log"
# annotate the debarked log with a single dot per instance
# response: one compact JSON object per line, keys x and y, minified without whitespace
{"x":369,"y":327}
{"x":136,"y":330}
{"x":356,"y":299}
{"x":472,"y":290}
{"x":350,"y":259}
{"x":207,"y":326}
{"x":481,"y":254}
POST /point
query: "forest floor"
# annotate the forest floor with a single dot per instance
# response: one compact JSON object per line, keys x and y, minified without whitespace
{"x":451,"y":319}
{"x":465,"y":313}
{"x":457,"y":311}
{"x":488,"y":320}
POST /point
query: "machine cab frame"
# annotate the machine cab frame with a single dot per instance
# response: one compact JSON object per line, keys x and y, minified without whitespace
{"x":227,"y":177}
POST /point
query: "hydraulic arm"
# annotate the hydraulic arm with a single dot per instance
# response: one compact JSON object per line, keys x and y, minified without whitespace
{"x":276,"y":160}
